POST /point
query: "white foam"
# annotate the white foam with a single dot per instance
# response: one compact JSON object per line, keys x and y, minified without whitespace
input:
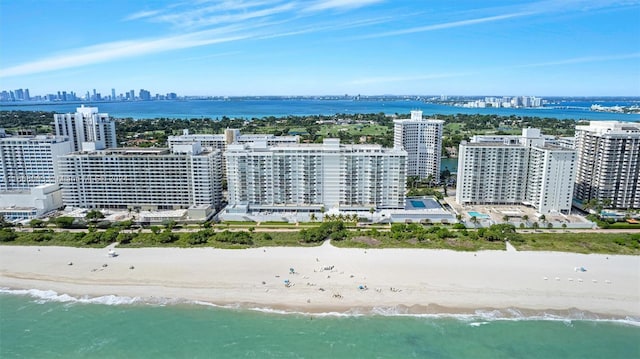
{"x":477,"y":318}
{"x":477,"y":324}
{"x":43,"y":296}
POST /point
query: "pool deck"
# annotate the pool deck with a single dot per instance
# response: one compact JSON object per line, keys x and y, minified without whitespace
{"x":496,"y":214}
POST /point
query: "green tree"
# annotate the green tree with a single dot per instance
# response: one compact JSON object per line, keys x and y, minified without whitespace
{"x":94,"y":215}
{"x":36,"y":223}
{"x":543,"y":219}
{"x":7,"y":235}
{"x":64,"y":222}
{"x":170,"y":225}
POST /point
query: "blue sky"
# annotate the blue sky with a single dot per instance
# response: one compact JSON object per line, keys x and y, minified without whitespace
{"x":296,"y":47}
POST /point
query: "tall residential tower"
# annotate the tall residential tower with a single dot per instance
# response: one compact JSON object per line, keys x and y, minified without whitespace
{"x":309,"y":177}
{"x":608,"y":164}
{"x":516,"y":170}
{"x":86,"y":126}
{"x":422,"y":139}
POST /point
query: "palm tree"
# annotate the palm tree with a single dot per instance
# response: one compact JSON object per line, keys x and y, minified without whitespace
{"x":475,"y":220}
{"x":312,"y":217}
{"x":459,"y":217}
{"x":525,"y":218}
{"x":505,"y":218}
{"x":535,"y":225}
{"x":372,"y":211}
{"x":543,"y":219}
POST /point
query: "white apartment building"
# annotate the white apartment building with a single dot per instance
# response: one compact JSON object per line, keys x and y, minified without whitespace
{"x":27,"y":162}
{"x":308,"y":177}
{"x":86,"y":125}
{"x":142,"y":178}
{"x":422,"y":139}
{"x":608,"y":164}
{"x":230,"y":136}
{"x":516,"y":170}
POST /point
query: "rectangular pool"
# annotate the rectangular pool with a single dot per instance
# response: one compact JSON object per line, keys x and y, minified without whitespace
{"x":478,"y":214}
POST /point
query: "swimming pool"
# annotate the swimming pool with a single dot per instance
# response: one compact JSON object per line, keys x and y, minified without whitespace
{"x":478,"y":214}
{"x":418,"y":204}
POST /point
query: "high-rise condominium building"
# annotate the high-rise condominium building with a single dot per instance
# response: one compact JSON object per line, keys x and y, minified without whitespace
{"x":230,"y":136}
{"x":86,"y":125}
{"x":308,"y":177}
{"x":608,"y":164}
{"x":27,"y":162}
{"x":144,"y":178}
{"x":422,"y":139}
{"x":516,"y":170}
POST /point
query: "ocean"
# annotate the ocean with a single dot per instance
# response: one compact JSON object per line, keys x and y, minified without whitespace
{"x":37,"y":324}
{"x":252,"y":108}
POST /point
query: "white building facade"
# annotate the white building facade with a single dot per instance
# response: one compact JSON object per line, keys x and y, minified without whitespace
{"x":147,"y":179}
{"x":422,"y":139}
{"x":516,"y":170}
{"x":309,"y":177}
{"x":608,"y":164}
{"x":31,"y":203}
{"x":86,"y":125}
{"x":231,"y":136}
{"x":27,"y":162}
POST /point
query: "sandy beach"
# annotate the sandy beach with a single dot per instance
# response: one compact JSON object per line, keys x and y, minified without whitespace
{"x":329,"y":279}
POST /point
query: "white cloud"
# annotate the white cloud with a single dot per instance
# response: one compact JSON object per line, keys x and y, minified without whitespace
{"x":448,"y":25}
{"x":117,"y":50}
{"x":580,"y":60}
{"x":213,"y":16}
{"x":340,"y":4}
{"x":142,"y":15}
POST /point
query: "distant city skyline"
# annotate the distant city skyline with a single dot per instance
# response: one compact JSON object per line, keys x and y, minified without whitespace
{"x":368,"y":47}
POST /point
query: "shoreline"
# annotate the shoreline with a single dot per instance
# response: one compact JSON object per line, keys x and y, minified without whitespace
{"x":327,"y":279}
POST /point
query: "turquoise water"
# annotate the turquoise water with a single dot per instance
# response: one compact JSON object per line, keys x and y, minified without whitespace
{"x":250,"y":108}
{"x":418,"y":204}
{"x":35,"y":328}
{"x":450,"y":164}
{"x":478,"y":214}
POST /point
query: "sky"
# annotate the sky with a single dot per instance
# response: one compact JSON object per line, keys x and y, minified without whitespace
{"x":322,"y":47}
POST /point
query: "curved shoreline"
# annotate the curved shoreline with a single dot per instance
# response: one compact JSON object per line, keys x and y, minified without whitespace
{"x":411,"y":281}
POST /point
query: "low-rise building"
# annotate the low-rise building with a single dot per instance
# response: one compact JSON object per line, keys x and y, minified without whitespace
{"x":31,"y":203}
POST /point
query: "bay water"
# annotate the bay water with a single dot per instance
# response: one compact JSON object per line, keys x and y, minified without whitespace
{"x":257,"y":108}
{"x":37,"y":324}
